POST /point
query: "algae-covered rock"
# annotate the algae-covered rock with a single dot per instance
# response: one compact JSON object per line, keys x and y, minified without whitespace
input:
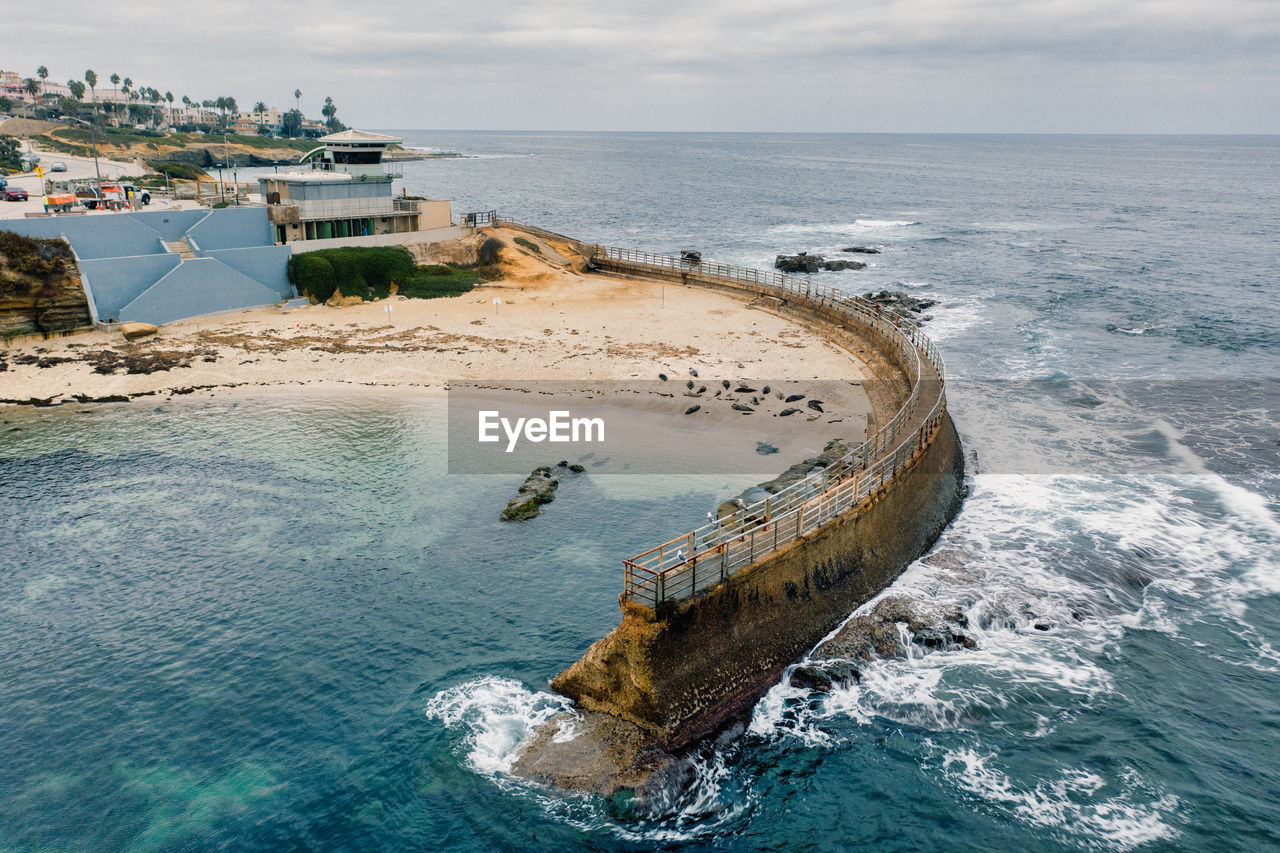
{"x":538,"y":488}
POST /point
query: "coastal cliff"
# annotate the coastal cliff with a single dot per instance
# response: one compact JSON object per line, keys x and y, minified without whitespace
{"x":40,"y":289}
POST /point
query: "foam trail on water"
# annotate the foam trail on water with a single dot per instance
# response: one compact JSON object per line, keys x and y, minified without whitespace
{"x":1076,"y":802}
{"x":497,"y":714}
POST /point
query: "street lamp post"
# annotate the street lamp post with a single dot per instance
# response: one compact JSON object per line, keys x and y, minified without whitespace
{"x":96,"y":169}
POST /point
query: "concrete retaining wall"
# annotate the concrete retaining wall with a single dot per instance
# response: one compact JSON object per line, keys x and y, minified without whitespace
{"x":236,"y":228}
{"x":266,"y":265}
{"x":199,"y":286}
{"x":682,"y":675}
{"x":682,"y":671}
{"x":115,"y":282}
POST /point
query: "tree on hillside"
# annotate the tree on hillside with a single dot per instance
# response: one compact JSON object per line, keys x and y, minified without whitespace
{"x":32,"y":85}
{"x":168,"y":96}
{"x":77,"y":89}
{"x":91,"y":77}
{"x":5,"y":105}
{"x":43,"y":73}
{"x":10,"y":158}
{"x":330,"y":113}
{"x":232,"y":106}
{"x":258,"y":109}
{"x":291,"y":123}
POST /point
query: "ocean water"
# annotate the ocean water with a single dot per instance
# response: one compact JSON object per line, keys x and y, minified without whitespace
{"x":275,"y":623}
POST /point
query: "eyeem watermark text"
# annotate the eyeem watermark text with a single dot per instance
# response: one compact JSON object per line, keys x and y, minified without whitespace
{"x":559,"y":427}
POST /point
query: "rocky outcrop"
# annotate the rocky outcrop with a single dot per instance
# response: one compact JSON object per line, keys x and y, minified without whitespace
{"x":876,"y":633}
{"x":860,"y":250}
{"x":40,"y":289}
{"x":806,"y":263}
{"x":801,"y":263}
{"x":538,"y":488}
{"x":898,"y":301}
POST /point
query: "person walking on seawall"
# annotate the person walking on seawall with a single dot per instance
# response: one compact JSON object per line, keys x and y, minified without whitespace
{"x":45,"y":201}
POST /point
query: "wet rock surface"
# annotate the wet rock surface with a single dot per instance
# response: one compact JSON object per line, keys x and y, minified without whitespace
{"x":538,"y":488}
{"x":876,"y":633}
{"x":900,"y":302}
{"x":597,"y":753}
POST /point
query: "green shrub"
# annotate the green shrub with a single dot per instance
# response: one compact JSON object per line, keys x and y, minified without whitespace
{"x":174,"y":169}
{"x":528,"y":244}
{"x":313,"y":275}
{"x":37,"y":257}
{"x":439,"y":280}
{"x":346,"y":268}
{"x":489,"y":251}
{"x":364,"y":271}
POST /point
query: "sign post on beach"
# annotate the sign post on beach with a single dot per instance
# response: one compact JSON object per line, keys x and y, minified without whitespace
{"x":387,"y":308}
{"x":497,"y":300}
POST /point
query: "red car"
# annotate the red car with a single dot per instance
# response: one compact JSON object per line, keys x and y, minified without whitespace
{"x":14,"y":194}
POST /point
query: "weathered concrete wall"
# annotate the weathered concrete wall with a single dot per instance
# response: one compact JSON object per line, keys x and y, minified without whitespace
{"x":681,"y":675}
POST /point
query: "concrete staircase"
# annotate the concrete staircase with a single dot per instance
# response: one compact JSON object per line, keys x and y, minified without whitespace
{"x":182,"y":249}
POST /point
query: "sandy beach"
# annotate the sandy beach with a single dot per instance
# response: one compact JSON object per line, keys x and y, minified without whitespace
{"x":552,"y":323}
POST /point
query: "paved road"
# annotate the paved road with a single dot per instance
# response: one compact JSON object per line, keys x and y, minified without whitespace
{"x":78,"y":168}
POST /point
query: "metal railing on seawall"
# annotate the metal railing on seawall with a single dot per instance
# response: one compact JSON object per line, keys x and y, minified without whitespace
{"x":706,"y":556}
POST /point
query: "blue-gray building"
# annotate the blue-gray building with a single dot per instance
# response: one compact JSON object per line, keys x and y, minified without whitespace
{"x":161,"y":266}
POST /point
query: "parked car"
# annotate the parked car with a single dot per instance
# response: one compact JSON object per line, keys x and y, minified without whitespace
{"x":14,"y":194}
{"x":57,"y":166}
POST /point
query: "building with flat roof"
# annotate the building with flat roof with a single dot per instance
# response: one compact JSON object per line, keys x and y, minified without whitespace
{"x":347,"y":193}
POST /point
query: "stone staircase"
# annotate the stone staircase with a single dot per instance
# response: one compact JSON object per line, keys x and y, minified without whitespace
{"x":182,"y":249}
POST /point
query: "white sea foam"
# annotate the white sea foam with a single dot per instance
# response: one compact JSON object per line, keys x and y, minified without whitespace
{"x":497,"y":714}
{"x":884,"y":223}
{"x":1077,"y":803}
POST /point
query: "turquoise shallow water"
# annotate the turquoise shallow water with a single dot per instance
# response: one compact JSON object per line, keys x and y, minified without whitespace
{"x":277,"y":624}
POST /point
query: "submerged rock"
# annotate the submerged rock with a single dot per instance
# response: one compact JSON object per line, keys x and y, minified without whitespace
{"x":860,"y":250}
{"x":538,"y":488}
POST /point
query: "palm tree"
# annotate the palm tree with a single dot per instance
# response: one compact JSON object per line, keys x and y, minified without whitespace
{"x":128,"y":84}
{"x":297,"y":105}
{"x":91,"y":77}
{"x":259,"y":108}
{"x":168,"y":96}
{"x":43,"y":74}
{"x":330,"y":113}
{"x":33,"y":88}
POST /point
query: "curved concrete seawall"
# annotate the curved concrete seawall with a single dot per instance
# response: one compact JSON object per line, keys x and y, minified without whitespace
{"x":682,"y":674}
{"x":691,"y":654}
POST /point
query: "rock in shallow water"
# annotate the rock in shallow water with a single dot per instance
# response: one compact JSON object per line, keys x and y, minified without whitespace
{"x":538,"y":488}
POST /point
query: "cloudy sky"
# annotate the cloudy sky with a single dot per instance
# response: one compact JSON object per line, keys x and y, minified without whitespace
{"x":1208,"y":66}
